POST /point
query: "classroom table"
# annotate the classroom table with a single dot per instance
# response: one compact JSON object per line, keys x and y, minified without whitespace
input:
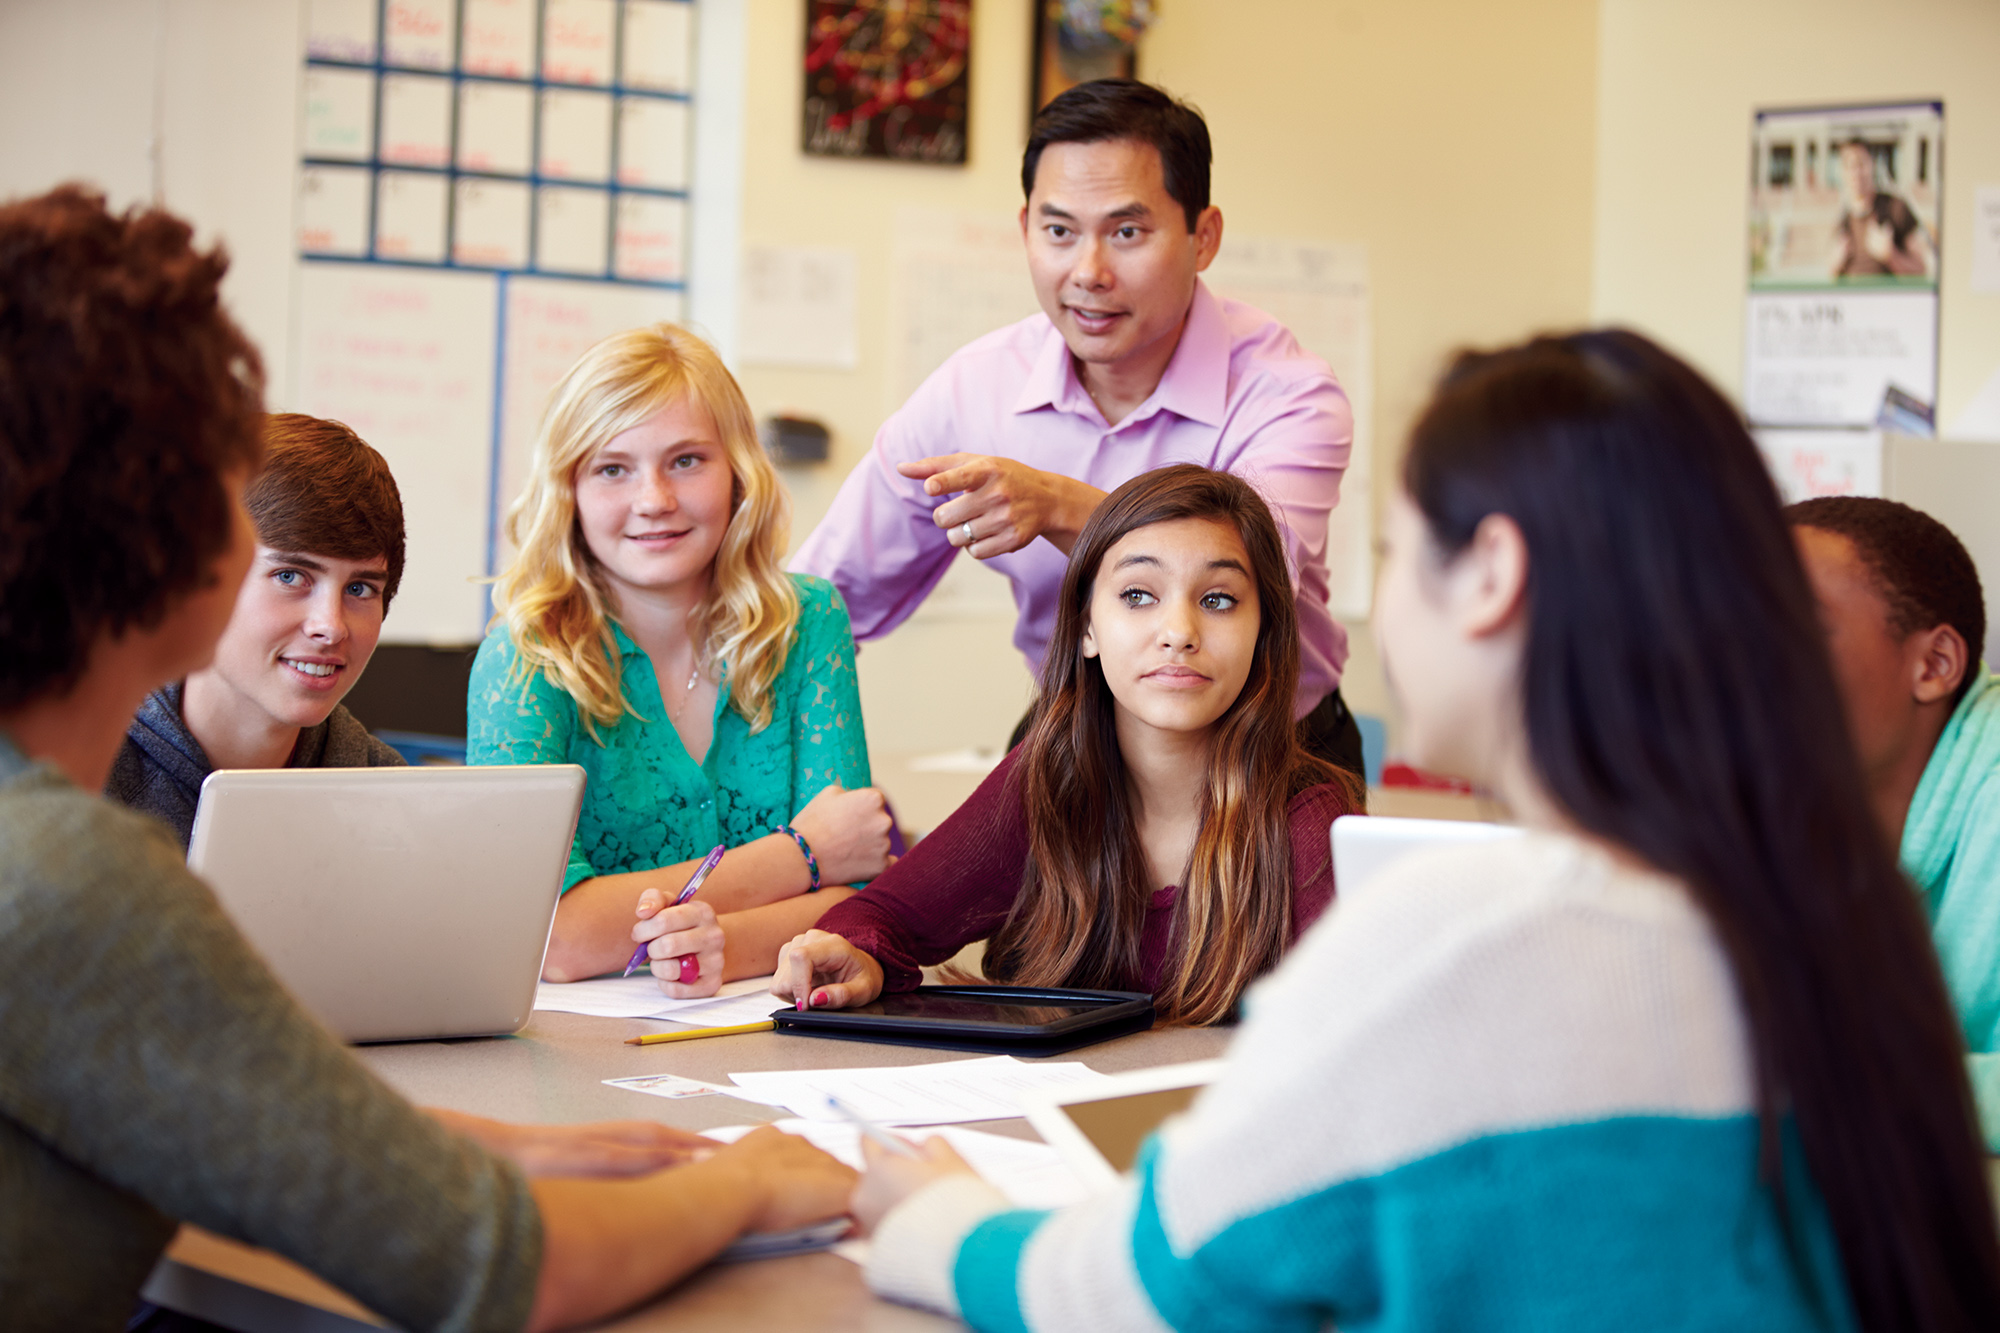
{"x":552,"y":1073}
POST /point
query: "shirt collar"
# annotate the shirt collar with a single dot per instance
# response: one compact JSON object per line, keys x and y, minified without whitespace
{"x":1195,"y":385}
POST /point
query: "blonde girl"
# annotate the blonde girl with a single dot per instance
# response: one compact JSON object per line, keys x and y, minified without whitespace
{"x":646,"y":630}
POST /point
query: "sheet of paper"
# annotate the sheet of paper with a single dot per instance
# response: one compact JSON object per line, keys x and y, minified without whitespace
{"x":1986,"y":239}
{"x":496,"y":127}
{"x":1979,"y":419}
{"x":652,"y":143}
{"x":576,"y":41}
{"x":576,"y":135}
{"x":499,"y":38}
{"x":342,"y":30}
{"x":948,"y":1093}
{"x":410,"y":215}
{"x":339,"y":120}
{"x":490,"y":224}
{"x":638,"y":996}
{"x":651,"y":242}
{"x":798,"y":306}
{"x":419,"y":34}
{"x":1807,"y":464}
{"x":416,"y":120}
{"x":659,"y":41}
{"x":1029,"y":1172}
{"x":333,"y":211}
{"x":572,"y":230}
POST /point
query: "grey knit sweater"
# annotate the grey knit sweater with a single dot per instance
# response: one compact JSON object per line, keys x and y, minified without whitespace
{"x":153,"y":1070}
{"x":161,"y":766}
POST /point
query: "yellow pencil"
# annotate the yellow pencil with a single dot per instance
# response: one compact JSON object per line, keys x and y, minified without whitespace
{"x":654,"y":1038}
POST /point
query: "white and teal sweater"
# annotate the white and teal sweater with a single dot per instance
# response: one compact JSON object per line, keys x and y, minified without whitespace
{"x":1505,"y":1087}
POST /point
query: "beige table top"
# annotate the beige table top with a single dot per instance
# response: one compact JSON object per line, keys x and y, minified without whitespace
{"x":552,"y":1073}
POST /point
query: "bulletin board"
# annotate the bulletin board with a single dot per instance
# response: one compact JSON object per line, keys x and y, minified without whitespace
{"x":486,"y":188}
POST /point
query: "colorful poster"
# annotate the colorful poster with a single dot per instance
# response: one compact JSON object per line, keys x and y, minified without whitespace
{"x":1843,"y":266}
{"x":888,"y":79}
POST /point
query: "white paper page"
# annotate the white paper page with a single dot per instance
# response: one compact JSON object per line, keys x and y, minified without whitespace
{"x":652,"y":143}
{"x":572,"y":230}
{"x":496,"y":128}
{"x":491,"y":224}
{"x":342,"y":30}
{"x":952,"y":1092}
{"x":1986,"y":239}
{"x":799,"y":306}
{"x":1030,"y":1173}
{"x":416,"y":120}
{"x":576,"y":135}
{"x":339,"y":120}
{"x":638,"y":996}
{"x":419,"y":34}
{"x":499,"y":38}
{"x":658,"y":39}
{"x":723,"y":1013}
{"x":410,"y":216}
{"x":333,"y":211}
{"x":651,"y":243}
{"x":576,"y":41}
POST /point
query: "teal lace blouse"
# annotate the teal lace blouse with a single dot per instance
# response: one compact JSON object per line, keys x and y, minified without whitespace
{"x":646,"y":802}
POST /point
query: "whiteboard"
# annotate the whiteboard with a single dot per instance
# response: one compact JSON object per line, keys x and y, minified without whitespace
{"x":406,"y":358}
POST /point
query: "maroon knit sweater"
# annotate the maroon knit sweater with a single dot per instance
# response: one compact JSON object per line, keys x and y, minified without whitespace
{"x":959,"y":883}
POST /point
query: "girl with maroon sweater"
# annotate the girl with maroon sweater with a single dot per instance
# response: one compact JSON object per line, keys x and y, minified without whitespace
{"x":1159,"y":828}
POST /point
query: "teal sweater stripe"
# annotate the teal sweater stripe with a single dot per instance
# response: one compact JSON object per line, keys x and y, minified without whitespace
{"x":988,"y":1263}
{"x":1630,"y":1222}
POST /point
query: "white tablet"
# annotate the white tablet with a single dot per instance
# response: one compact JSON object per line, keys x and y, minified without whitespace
{"x":1099,"y":1131}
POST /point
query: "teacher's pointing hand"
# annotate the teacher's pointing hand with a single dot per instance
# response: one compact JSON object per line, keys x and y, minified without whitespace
{"x":1002,"y":505}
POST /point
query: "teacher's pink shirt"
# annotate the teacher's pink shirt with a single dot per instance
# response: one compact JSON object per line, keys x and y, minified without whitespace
{"x":1239,"y":394}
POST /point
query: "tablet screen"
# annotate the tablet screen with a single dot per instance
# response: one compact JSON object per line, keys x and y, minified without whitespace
{"x":925,"y":1005}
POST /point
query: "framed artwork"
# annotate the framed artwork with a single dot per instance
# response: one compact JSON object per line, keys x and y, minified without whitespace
{"x":1076,"y":41}
{"x":888,"y":79}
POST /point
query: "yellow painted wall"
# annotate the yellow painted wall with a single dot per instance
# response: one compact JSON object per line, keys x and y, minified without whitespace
{"x":1453,"y":138}
{"x":1679,"y":80}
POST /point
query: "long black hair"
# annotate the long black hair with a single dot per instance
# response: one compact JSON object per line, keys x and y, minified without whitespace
{"x":1679,"y":703}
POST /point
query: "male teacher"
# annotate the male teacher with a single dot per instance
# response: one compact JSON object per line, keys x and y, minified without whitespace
{"x":1133,"y":364}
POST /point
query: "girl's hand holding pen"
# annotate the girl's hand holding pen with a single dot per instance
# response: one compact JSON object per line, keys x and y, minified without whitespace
{"x":687,"y":934}
{"x":819,"y":970}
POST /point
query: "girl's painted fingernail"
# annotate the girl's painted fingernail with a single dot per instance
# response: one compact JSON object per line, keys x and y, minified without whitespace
{"x":800,"y":1004}
{"x":818,"y":998}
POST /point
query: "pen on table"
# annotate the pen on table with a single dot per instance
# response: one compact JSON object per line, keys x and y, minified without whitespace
{"x":692,"y":1034}
{"x":708,"y":863}
{"x":869,"y":1129}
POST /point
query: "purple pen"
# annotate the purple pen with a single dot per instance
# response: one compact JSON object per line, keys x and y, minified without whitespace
{"x":708,"y":863}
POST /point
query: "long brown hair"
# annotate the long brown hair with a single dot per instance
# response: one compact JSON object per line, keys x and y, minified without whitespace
{"x":1679,"y":703}
{"x":1083,"y":899}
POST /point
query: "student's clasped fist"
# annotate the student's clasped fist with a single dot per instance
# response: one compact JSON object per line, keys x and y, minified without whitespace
{"x":848,"y":832}
{"x":818,"y":970}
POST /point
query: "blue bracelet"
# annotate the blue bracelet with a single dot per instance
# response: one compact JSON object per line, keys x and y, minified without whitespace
{"x":805,"y":848}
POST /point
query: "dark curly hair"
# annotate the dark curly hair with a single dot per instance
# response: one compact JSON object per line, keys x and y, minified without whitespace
{"x":1922,"y":571}
{"x":325,"y":491}
{"x":127,"y":395}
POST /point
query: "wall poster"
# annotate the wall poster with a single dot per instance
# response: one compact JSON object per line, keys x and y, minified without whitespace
{"x":888,"y":78}
{"x":1841,"y":321}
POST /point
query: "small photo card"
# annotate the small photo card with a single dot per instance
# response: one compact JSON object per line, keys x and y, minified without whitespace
{"x":496,"y":127}
{"x":410,"y":208}
{"x":339,"y":120}
{"x":572,"y":230}
{"x":498,"y":38}
{"x":490,"y":224}
{"x":659,"y":43}
{"x":416,"y":120}
{"x":664,"y":1085}
{"x":333,"y":211}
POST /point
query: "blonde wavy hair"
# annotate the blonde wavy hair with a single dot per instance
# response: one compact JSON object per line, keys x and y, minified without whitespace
{"x":552,"y":595}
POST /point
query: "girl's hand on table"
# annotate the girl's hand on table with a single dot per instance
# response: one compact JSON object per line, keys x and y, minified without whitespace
{"x":800,"y":1184}
{"x":606,"y":1148}
{"x":819,"y":970}
{"x":848,"y":832}
{"x":892,"y":1178}
{"x":688,"y":933}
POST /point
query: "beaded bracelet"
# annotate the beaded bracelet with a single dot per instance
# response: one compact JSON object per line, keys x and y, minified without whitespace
{"x":805,"y":848}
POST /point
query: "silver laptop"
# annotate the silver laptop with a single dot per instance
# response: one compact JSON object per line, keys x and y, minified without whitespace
{"x":396,"y":903}
{"x":1365,"y":845}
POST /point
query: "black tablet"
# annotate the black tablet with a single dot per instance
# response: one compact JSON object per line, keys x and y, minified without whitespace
{"x":1023,"y":1020}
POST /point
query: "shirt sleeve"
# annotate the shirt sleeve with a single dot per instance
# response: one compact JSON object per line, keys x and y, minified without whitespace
{"x":1967,"y":935}
{"x":955,"y":886}
{"x":829,"y":742}
{"x":878,"y":544}
{"x":515,"y":717}
{"x":1296,"y":460}
{"x":151,"y":1048}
